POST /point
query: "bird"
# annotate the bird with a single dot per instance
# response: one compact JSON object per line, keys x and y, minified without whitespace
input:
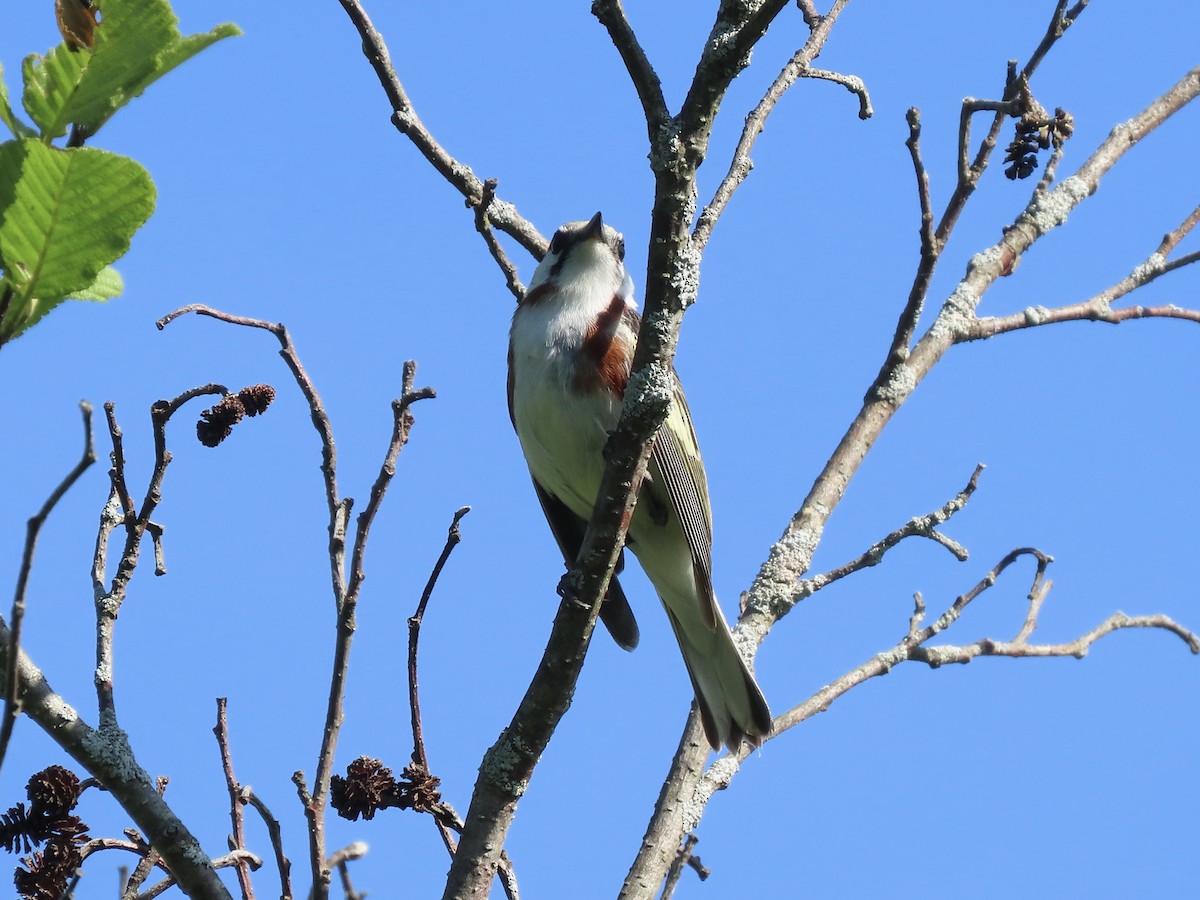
{"x":570,"y":351}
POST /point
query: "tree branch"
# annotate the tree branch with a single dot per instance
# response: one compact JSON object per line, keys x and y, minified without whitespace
{"x":106,"y":754}
{"x":912,"y":647}
{"x":791,"y":555}
{"x":236,"y":801}
{"x":501,"y":214}
{"x":1099,"y":307}
{"x":672,"y":276}
{"x":282,"y":863}
{"x":12,"y":705}
{"x":611,"y":14}
{"x":419,"y":756}
{"x":918,"y":526}
{"x":346,"y":593}
{"x":512,"y":282}
{"x":796,"y":68}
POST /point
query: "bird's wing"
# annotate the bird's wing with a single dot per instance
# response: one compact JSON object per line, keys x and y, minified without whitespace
{"x":569,"y":530}
{"x":676,"y":457}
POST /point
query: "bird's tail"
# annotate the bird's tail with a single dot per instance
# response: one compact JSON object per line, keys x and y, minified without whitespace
{"x":732,"y":706}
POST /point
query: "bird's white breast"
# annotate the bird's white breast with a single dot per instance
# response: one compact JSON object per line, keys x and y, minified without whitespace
{"x":562,"y":427}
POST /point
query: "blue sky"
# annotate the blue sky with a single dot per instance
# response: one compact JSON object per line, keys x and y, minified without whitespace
{"x":285,"y":194}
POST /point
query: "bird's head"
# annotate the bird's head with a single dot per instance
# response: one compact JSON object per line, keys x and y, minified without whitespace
{"x":588,"y":256}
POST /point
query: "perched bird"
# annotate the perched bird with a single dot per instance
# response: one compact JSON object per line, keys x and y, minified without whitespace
{"x":569,"y":356}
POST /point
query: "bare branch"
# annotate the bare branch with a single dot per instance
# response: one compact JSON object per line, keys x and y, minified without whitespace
{"x":1078,"y":648}
{"x":348,"y":891}
{"x":501,"y":214}
{"x":419,"y":755}
{"x":907,"y":324}
{"x":968,"y":179}
{"x":852,"y":83}
{"x":684,"y":858}
{"x":912,"y":647}
{"x":236,"y":801}
{"x":109,"y":597}
{"x":106,"y":754}
{"x":790,"y":556}
{"x":515,"y":287}
{"x":345,"y":592}
{"x":797,"y":67}
{"x":1059,"y":23}
{"x":12,"y":684}
{"x":969,"y":173}
{"x":1017,"y":98}
{"x":141,"y":871}
{"x":233,"y":858}
{"x":339,"y":510}
{"x":918,"y":526}
{"x":402,"y":421}
{"x":352,"y":851}
{"x":282,"y":863}
{"x":1099,"y":308}
{"x":611,"y":14}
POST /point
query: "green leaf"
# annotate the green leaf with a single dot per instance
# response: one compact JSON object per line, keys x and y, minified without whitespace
{"x":64,"y":216}
{"x":49,"y":82}
{"x":137,"y":42}
{"x":108,"y":284}
{"x":15,"y":125}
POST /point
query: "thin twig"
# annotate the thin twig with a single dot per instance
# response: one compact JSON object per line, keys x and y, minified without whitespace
{"x":911,"y":314}
{"x":232,"y":858}
{"x":352,"y":851}
{"x":683,"y":858}
{"x":12,"y":683}
{"x":969,"y":172}
{"x":912,"y":648}
{"x":140,"y":872}
{"x":236,"y":801}
{"x":282,"y":863}
{"x":341,"y":862}
{"x":108,"y":597}
{"x":339,"y":510}
{"x":968,"y":179}
{"x":1099,"y":307}
{"x":918,"y":526}
{"x":611,"y":14}
{"x":501,"y":214}
{"x":447,"y":820}
{"x":511,"y":279}
{"x":852,"y":83}
{"x":419,"y":755}
{"x":453,"y":537}
{"x":339,"y":513}
{"x":797,"y":67}
{"x":402,"y":421}
{"x":117,"y":457}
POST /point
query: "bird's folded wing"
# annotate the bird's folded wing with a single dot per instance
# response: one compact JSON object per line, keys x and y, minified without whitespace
{"x":676,"y":458}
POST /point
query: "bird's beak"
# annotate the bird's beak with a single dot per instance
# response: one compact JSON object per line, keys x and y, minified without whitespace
{"x":595,"y":228}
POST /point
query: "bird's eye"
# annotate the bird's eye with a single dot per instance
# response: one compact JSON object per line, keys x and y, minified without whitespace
{"x":558,"y":243}
{"x":621,"y":249}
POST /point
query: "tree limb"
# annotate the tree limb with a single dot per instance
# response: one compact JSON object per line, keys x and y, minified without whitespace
{"x":12,"y":705}
{"x":501,"y":214}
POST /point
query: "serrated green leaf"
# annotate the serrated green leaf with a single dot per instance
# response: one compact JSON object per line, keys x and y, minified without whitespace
{"x":136,"y":43}
{"x":64,"y":216}
{"x":50,"y":82}
{"x":108,"y":284}
{"x":15,"y":125}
